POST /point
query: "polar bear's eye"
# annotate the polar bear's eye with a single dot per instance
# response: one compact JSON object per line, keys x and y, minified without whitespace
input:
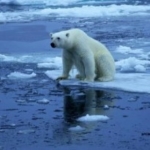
{"x":58,"y":38}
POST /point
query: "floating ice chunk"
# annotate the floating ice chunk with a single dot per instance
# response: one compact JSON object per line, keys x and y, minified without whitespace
{"x":44,"y":65}
{"x":48,"y":65}
{"x":93,"y":118}
{"x":132,"y":64}
{"x":43,"y":101}
{"x":19,"y":75}
{"x":106,"y":107}
{"x":53,"y":63}
{"x":57,"y":60}
{"x":133,"y":82}
{"x":128,"y":50}
{"x":77,"y":128}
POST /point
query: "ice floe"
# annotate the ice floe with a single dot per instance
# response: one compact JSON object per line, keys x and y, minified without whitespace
{"x":19,"y":75}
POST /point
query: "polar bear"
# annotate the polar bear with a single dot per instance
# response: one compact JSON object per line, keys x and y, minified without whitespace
{"x":91,"y":58}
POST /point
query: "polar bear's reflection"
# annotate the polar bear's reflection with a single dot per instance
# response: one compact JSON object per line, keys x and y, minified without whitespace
{"x":79,"y":102}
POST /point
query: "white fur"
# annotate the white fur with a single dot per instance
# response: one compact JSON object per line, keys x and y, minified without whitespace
{"x":91,"y":58}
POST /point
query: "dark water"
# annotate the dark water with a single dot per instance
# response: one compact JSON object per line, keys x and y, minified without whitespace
{"x":26,"y":122}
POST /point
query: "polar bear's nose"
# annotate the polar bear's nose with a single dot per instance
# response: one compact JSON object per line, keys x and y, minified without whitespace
{"x":53,"y":45}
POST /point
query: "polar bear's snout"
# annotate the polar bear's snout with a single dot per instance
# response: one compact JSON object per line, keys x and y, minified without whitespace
{"x":53,"y":45}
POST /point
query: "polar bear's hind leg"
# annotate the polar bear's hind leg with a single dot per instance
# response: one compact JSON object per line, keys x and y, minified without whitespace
{"x":105,"y":69}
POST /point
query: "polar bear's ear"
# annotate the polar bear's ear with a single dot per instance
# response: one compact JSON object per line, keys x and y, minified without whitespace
{"x":67,"y":34}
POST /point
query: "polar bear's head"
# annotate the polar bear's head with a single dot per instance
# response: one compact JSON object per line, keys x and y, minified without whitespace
{"x":60,"y":40}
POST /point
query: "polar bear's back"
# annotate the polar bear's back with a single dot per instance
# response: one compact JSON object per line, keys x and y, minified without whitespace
{"x":78,"y":34}
{"x":81,"y":37}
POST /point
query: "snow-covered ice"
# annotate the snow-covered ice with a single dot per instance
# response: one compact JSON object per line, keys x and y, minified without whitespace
{"x":134,"y":82}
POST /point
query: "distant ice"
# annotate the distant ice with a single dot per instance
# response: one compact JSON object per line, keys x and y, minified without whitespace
{"x":8,"y":58}
{"x":40,"y":2}
{"x":93,"y":118}
{"x":43,"y":60}
{"x":47,"y":65}
{"x":84,"y":12}
{"x":52,"y":63}
{"x":19,"y":75}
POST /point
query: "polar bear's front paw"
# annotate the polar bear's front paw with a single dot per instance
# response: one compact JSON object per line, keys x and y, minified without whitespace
{"x":105,"y":79}
{"x":62,"y":78}
{"x":89,"y":79}
{"x":78,"y":76}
